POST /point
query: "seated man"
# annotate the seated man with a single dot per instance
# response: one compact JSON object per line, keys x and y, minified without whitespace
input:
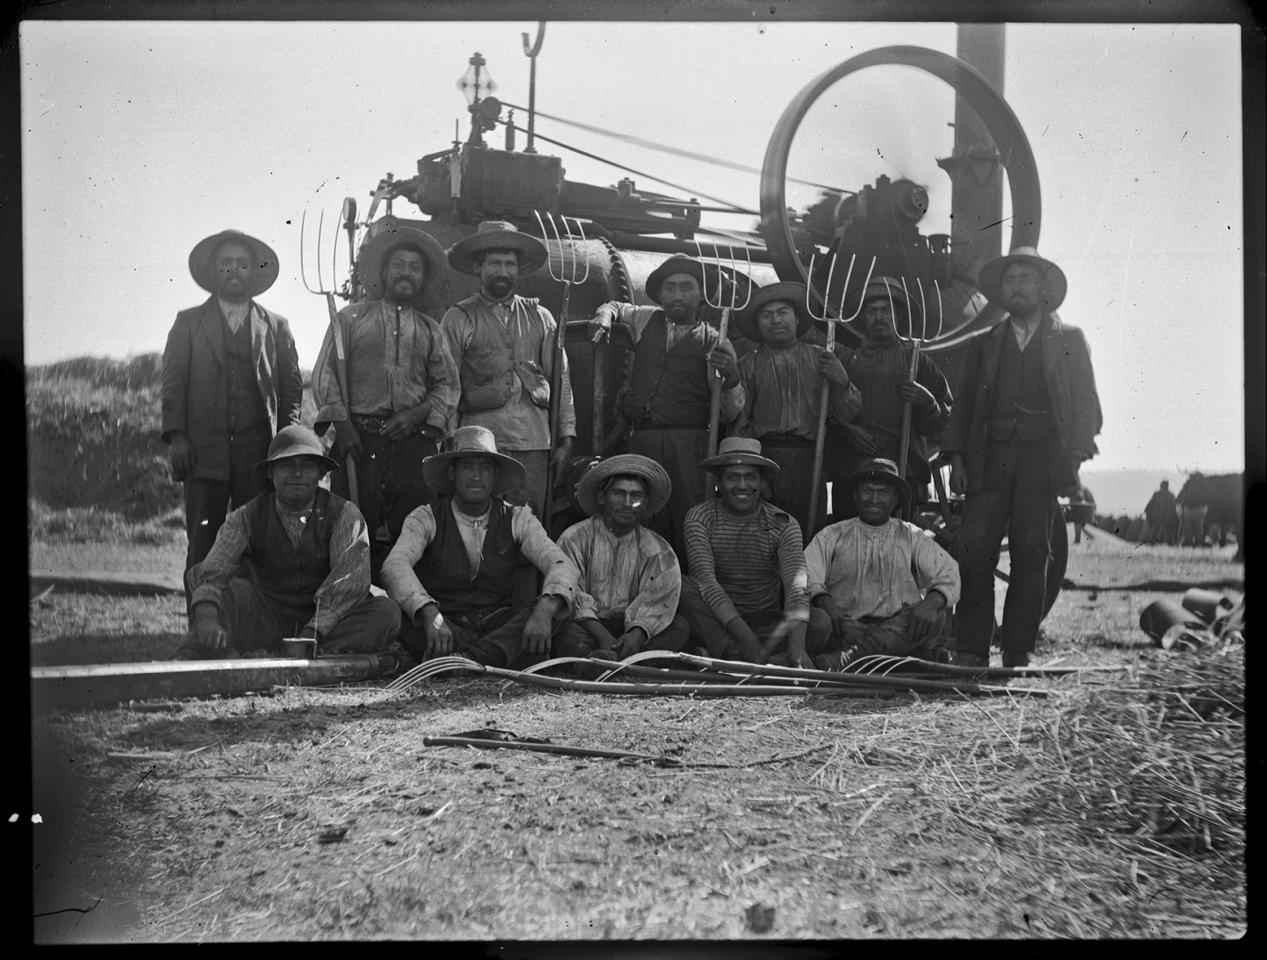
{"x":630,"y":579}
{"x":885,"y":585}
{"x":741,"y":550}
{"x":292,"y":562}
{"x":451,"y":570}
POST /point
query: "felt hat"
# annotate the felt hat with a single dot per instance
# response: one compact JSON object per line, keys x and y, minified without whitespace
{"x":263,"y":260}
{"x":738,"y":452}
{"x":652,"y":474}
{"x":369,"y":264}
{"x":295,"y":441}
{"x":878,"y":469}
{"x":680,"y":264}
{"x":991,"y":277}
{"x":472,"y":442}
{"x":880,"y":288}
{"x":789,"y":292}
{"x":497,"y":235}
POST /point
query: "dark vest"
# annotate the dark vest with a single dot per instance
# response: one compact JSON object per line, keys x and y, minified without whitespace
{"x":1020,"y":393}
{"x":445,"y":569}
{"x":245,"y":406}
{"x":669,"y":388}
{"x":287,"y":575}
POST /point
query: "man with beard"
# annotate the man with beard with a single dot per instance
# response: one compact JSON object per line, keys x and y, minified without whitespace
{"x":743,"y":554}
{"x":1025,"y":420}
{"x":666,"y":401}
{"x":885,"y":585}
{"x":294,"y":562}
{"x":401,"y":380}
{"x":880,"y":367}
{"x":503,"y":344}
{"x":783,"y":380}
{"x":450,"y":571}
{"x":627,"y":598}
{"x":230,"y":380}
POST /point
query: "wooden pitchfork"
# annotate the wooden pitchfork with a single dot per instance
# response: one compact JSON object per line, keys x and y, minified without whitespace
{"x":569,"y":274}
{"x":336,"y":333}
{"x":827,"y":318}
{"x":717,"y":299}
{"x":917,"y":344}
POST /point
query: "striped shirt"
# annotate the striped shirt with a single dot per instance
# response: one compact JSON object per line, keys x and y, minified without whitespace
{"x":740,"y":563}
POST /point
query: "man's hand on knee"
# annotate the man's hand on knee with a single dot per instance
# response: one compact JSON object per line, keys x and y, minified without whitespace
{"x":437,"y":630}
{"x":540,"y":626}
{"x":206,"y":631}
{"x":926,"y":617}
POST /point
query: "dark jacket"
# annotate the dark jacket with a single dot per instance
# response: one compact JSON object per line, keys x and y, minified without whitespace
{"x":1074,"y":404}
{"x":194,"y":391}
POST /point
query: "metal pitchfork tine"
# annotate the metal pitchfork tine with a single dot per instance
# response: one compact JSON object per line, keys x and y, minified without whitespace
{"x":336,"y":334}
{"x":569,"y":274}
{"x":826,"y":317}
{"x":718,"y":301}
{"x":917,"y":343}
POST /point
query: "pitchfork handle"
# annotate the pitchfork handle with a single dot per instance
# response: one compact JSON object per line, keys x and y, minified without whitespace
{"x":714,"y":400}
{"x":341,"y":374}
{"x":906,"y":417}
{"x":556,"y":388}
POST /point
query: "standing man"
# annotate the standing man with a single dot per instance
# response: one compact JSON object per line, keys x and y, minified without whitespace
{"x":783,"y":380}
{"x":676,"y":357}
{"x":1025,"y":420}
{"x":880,"y":367}
{"x":745,"y":598}
{"x":402,"y":381}
{"x":627,"y":600}
{"x":230,"y":381}
{"x":1082,"y":511}
{"x":887,"y":587}
{"x":294,"y":562}
{"x":450,"y":571}
{"x":1162,"y":514}
{"x":504,"y":347}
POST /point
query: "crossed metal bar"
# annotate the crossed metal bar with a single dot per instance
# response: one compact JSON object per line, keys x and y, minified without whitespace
{"x":917,"y":344}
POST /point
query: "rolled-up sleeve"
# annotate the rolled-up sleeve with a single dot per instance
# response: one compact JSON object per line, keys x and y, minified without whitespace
{"x":659,"y":590}
{"x":562,"y":576}
{"x":443,"y":386}
{"x":584,"y":604}
{"x":818,"y":556}
{"x":399,"y":579}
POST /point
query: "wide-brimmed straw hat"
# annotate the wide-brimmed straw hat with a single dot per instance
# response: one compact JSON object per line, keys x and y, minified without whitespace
{"x":991,"y":277}
{"x":497,"y":235}
{"x":738,"y":452}
{"x":881,"y":470}
{"x":472,"y":442}
{"x":680,"y":264}
{"x":651,"y":473}
{"x":263,"y":260}
{"x":369,"y":264}
{"x":789,"y":292}
{"x":295,"y":441}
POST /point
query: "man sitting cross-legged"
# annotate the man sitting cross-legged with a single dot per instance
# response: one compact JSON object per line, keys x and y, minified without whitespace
{"x":741,"y":551}
{"x":630,"y":578}
{"x":886,"y":585}
{"x":450,"y":571}
{"x":292,"y":562}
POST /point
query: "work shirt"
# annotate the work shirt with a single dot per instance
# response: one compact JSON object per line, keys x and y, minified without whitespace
{"x":397,"y":359}
{"x":739,"y":563}
{"x":477,"y":328}
{"x":784,"y":390}
{"x":635,"y":577}
{"x":234,"y":313}
{"x":402,"y":583}
{"x":346,"y":585}
{"x":875,"y":571}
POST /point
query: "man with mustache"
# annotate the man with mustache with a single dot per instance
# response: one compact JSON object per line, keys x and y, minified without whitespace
{"x":783,"y":380}
{"x":230,"y":380}
{"x":294,"y":562}
{"x":503,"y":344}
{"x":744,"y":556}
{"x":402,"y":381}
{"x":666,"y":401}
{"x":451,"y":570}
{"x":1025,"y":420}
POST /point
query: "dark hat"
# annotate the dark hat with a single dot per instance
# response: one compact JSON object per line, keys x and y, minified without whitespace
{"x":738,"y":452}
{"x":651,"y":473}
{"x":991,"y":276}
{"x":295,"y":441}
{"x":263,"y":257}
{"x":472,"y":442}
{"x":680,"y":264}
{"x":369,"y":264}
{"x":880,"y":288}
{"x":789,"y":292}
{"x":497,"y":235}
{"x":879,"y":469}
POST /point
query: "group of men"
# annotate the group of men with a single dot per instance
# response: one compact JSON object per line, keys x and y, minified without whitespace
{"x":443,"y":440}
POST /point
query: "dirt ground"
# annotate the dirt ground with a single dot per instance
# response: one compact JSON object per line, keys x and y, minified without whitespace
{"x":307,"y":814}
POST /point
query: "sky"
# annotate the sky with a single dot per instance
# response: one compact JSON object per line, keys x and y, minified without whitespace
{"x":140,"y":138}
